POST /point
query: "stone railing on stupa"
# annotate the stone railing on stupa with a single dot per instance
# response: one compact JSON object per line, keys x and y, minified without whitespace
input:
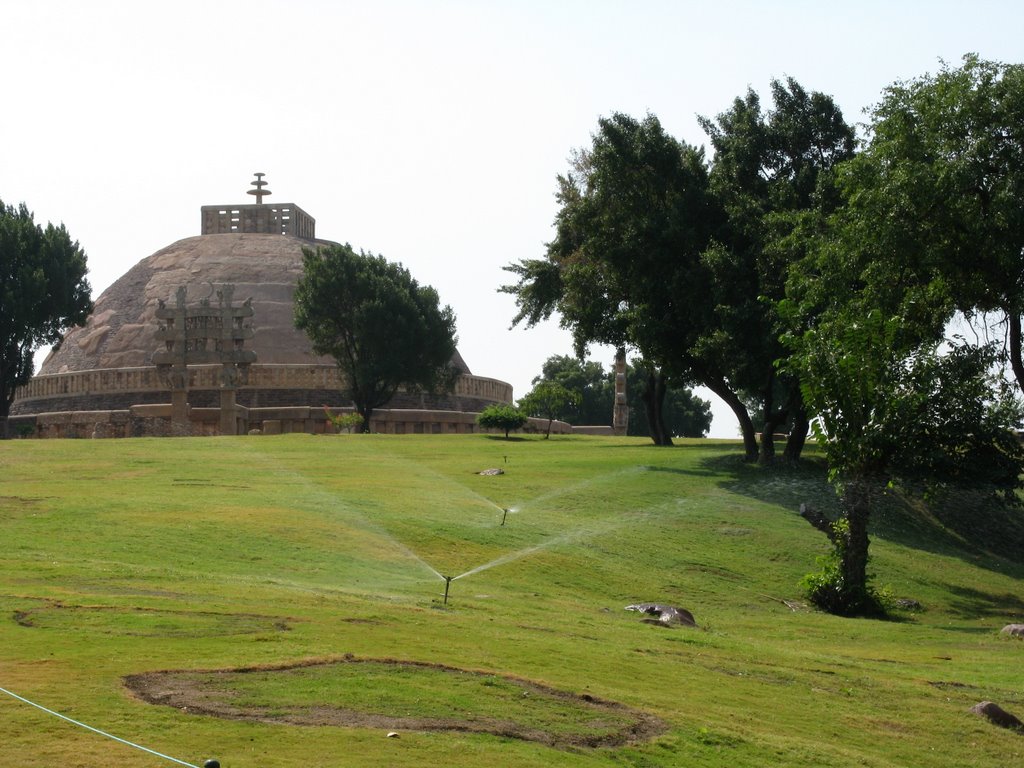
{"x":268,"y":386}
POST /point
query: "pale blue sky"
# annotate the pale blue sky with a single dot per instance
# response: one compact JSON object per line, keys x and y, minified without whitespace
{"x":429,"y":132}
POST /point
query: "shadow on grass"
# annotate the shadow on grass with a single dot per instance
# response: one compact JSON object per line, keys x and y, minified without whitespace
{"x":976,"y":604}
{"x":967,"y":524}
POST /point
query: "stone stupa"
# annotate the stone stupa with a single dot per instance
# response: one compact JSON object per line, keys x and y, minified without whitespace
{"x":101,"y":378}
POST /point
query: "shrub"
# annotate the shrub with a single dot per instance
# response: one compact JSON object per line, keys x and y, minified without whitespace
{"x":504,"y":416}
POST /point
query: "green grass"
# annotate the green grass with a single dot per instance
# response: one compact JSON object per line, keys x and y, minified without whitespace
{"x":130,"y":557}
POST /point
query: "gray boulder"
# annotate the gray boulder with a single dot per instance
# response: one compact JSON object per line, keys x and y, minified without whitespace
{"x":997,"y":715}
{"x":664,"y":615}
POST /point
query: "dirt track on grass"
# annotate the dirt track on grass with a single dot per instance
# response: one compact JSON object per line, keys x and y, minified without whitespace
{"x":187,"y":691}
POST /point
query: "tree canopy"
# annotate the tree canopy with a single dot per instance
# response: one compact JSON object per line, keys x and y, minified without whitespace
{"x":43,"y":291}
{"x":547,"y":400}
{"x":624,"y":266}
{"x":503,"y":416}
{"x":937,"y":193}
{"x":682,"y":260}
{"x":869,"y":305}
{"x":383,"y":329}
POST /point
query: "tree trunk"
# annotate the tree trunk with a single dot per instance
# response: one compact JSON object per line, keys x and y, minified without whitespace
{"x":5,"y":412}
{"x":1013,"y":319}
{"x":766,"y":454}
{"x":772,"y":418}
{"x":856,"y":506}
{"x":653,"y":395}
{"x":717,"y":385}
{"x":365,"y":412}
{"x":798,"y":435}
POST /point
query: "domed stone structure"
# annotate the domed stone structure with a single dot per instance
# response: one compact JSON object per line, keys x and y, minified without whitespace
{"x":101,"y":379}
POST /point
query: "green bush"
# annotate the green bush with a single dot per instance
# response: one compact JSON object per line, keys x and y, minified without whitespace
{"x":504,"y":416}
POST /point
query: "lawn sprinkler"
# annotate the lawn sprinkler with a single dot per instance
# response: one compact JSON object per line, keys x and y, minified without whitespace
{"x":447,"y":583}
{"x":504,"y":515}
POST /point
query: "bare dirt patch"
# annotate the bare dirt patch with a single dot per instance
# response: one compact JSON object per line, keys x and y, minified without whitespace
{"x":210,"y":692}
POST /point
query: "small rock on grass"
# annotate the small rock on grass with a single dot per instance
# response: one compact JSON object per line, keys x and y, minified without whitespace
{"x":997,"y":715}
{"x":392,"y":735}
{"x":1014,"y":630}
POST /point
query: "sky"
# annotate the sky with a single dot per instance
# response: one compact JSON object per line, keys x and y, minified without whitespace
{"x":428,"y":132}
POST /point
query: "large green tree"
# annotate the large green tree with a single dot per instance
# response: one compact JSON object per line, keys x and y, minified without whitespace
{"x":938,"y":190}
{"x":889,"y":412}
{"x":686,"y":265}
{"x":383,"y":329}
{"x":547,"y":400}
{"x":43,"y":291}
{"x":624,"y":267}
{"x":771,"y":167}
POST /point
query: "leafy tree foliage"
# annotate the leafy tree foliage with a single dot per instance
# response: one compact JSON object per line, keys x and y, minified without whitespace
{"x":684,"y":265}
{"x":547,"y":400}
{"x":43,"y":291}
{"x":770,"y":169}
{"x":624,"y":267}
{"x":889,"y":412}
{"x":383,"y":328}
{"x":938,"y":196}
{"x":588,"y":380}
{"x":501,"y":416}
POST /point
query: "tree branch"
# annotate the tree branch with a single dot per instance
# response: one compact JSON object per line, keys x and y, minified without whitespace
{"x":818,"y":520}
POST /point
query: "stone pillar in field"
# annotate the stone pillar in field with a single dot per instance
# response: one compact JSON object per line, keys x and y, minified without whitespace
{"x":620,"y":414}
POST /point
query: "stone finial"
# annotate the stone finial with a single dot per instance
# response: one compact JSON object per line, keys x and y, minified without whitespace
{"x":259,"y":191}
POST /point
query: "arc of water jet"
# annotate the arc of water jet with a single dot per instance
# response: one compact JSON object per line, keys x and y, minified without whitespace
{"x":571,"y":536}
{"x":331,"y":498}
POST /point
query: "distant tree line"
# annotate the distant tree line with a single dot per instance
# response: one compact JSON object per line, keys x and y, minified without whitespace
{"x":593,"y":397}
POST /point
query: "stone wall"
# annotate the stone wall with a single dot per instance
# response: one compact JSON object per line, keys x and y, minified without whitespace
{"x":268,"y":386}
{"x":155,"y":421}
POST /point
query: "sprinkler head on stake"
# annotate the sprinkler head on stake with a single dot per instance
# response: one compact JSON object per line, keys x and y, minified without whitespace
{"x":504,"y":515}
{"x":447,"y":583}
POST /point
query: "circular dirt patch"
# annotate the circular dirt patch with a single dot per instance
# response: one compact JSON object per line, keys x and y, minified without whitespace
{"x":399,"y":695}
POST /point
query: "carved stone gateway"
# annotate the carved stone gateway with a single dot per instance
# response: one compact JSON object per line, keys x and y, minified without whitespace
{"x":204,"y":334}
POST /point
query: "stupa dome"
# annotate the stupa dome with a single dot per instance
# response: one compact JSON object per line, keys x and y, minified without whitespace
{"x":263,"y":267}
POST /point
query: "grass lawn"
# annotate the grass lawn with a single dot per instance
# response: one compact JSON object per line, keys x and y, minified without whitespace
{"x":283,"y":597}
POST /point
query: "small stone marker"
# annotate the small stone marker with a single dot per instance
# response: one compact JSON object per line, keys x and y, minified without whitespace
{"x":1014,"y":630}
{"x":492,"y":472}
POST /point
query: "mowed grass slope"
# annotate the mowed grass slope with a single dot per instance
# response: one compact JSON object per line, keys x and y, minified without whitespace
{"x":129,"y":557}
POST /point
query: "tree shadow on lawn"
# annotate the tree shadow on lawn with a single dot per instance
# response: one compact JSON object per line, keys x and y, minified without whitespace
{"x":963,"y":523}
{"x":976,"y":604}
